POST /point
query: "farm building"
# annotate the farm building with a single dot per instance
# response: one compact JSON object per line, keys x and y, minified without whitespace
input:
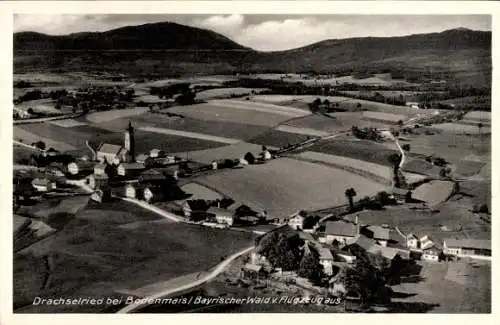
{"x":326,"y":259}
{"x":296,"y":220}
{"x":152,"y":193}
{"x":222,"y":216}
{"x":151,"y":176}
{"x":98,"y":181}
{"x":473,"y":248}
{"x":343,"y":232}
{"x":191,"y":206}
{"x":431,"y":254}
{"x":379,"y":234}
{"x":130,"y":169}
{"x":390,"y":252}
{"x":80,"y":168}
{"x":157,"y":153}
{"x":141,"y":158}
{"x":414,"y":105}
{"x":412,"y":241}
{"x":252,"y":271}
{"x":100,"y":169}
{"x":112,"y":153}
{"x":43,"y":184}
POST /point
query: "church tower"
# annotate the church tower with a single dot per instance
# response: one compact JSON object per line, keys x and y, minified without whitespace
{"x":129,"y":141}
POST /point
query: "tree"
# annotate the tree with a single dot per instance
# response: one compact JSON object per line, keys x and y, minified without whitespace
{"x":406,"y":147}
{"x":310,"y":268}
{"x":286,"y":253}
{"x":250,"y":158}
{"x":40,"y":145}
{"x":310,"y":221}
{"x":400,"y":123}
{"x":350,"y":193}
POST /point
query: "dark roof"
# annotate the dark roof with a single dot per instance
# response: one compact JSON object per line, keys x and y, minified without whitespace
{"x":197,"y":205}
{"x":132,"y":165}
{"x":152,"y":174}
{"x":365,"y":242}
{"x":469,"y":243}
{"x":341,"y":228}
{"x":379,"y":232}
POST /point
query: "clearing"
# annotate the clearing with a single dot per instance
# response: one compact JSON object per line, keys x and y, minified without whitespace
{"x":93,"y":256}
{"x":283,"y":186}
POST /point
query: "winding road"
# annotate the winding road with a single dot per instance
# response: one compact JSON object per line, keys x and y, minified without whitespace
{"x":162,"y":294}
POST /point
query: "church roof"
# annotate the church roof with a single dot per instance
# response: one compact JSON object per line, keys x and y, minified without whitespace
{"x":108,"y":148}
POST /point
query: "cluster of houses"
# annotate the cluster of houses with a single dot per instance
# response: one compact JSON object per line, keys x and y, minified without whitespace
{"x":387,"y":241}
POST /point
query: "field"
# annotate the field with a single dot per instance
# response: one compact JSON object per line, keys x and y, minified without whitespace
{"x":434,"y":192}
{"x":44,"y":106}
{"x":227,"y":113}
{"x":452,"y":147}
{"x":279,"y":139}
{"x":422,"y":167}
{"x":22,"y":134}
{"x":389,"y":118}
{"x":286,"y":185}
{"x":468,"y":168}
{"x":104,"y":116}
{"x":346,"y":103}
{"x":145,"y":141}
{"x":460,"y":287}
{"x":356,"y":149}
{"x":474,"y":102}
{"x":95,"y":256}
{"x":217,"y":128}
{"x":460,"y":128}
{"x":226,"y":92}
{"x":335,"y":122}
{"x":364,"y":168}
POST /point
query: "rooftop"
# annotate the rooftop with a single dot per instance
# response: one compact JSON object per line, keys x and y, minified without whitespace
{"x":468,"y":243}
{"x":341,"y":228}
{"x":108,"y":148}
{"x":325,"y":254}
{"x":379,"y":232}
{"x":136,"y":165}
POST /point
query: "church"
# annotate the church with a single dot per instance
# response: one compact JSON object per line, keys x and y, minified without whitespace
{"x":115,"y":154}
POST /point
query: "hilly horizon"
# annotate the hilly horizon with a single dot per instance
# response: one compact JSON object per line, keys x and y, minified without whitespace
{"x":174,"y":48}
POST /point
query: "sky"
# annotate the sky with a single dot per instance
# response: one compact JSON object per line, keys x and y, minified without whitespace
{"x":262,"y":32}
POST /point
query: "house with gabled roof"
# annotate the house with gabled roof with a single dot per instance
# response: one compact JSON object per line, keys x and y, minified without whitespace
{"x":342,"y":232}
{"x":380,"y":234}
{"x":112,"y":153}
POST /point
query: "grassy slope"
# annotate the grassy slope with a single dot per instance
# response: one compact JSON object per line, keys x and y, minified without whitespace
{"x":93,"y":255}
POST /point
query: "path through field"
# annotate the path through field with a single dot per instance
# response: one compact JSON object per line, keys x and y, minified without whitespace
{"x":216,"y":271}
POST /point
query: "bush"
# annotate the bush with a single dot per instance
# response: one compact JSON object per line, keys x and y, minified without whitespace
{"x":480,"y":208}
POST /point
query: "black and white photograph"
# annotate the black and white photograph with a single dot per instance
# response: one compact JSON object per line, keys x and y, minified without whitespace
{"x":251,"y":163}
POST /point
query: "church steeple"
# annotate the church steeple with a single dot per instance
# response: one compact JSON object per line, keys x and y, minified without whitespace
{"x":129,"y":142}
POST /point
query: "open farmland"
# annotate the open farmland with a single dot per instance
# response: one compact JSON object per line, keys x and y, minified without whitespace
{"x":285,"y":185}
{"x":226,"y":92}
{"x":422,"y":167}
{"x":94,"y":256}
{"x":228,"y":113}
{"x":22,"y":134}
{"x":468,"y":168}
{"x":331,"y":123}
{"x":104,"y":116}
{"x":388,"y":118}
{"x":434,"y":192}
{"x":356,"y":149}
{"x":452,"y":147}
{"x":279,"y":139}
{"x":145,"y":141}
{"x":461,"y":287}
{"x":217,"y":128}
{"x":460,"y":128}
{"x":376,"y":172}
{"x":44,"y":106}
